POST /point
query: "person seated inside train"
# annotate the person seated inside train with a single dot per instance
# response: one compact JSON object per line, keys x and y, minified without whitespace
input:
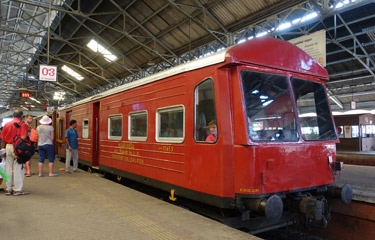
{"x":213,"y":129}
{"x":165,"y":131}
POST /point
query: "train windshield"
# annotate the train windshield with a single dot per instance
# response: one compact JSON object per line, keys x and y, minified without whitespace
{"x":269,"y":109}
{"x":313,"y":110}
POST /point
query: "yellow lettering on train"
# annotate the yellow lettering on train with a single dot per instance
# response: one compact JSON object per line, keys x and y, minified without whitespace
{"x":166,"y":148}
{"x":126,"y":145}
{"x":249,"y":190}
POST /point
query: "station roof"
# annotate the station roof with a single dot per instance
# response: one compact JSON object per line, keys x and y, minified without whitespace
{"x":138,"y":38}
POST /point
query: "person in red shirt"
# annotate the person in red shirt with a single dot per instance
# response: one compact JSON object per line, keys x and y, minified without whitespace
{"x":213,"y":129}
{"x":14,"y":170}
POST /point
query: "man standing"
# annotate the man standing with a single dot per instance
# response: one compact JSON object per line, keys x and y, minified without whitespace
{"x":71,"y":146}
{"x":14,"y":169}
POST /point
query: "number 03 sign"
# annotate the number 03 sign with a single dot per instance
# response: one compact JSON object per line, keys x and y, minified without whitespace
{"x":48,"y":73}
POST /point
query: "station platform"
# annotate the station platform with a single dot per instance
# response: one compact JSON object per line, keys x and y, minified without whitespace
{"x":356,"y":158}
{"x":87,"y":206}
{"x":362,"y":179}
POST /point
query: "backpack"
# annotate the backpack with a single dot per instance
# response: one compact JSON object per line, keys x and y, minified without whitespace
{"x":24,"y":149}
{"x":34,"y":135}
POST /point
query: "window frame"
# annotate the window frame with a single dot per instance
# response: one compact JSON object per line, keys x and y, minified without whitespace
{"x":296,"y":130}
{"x":83,"y":128}
{"x":137,"y":138}
{"x":195,"y":111}
{"x":303,"y":136}
{"x":59,"y":130}
{"x":157,"y":125}
{"x":109,"y":127}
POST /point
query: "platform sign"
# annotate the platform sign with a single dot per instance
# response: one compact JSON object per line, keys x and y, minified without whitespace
{"x":48,"y":73}
{"x":313,"y":44}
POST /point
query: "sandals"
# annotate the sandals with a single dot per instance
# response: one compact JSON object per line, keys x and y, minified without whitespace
{"x":8,"y":192}
{"x":19,"y":193}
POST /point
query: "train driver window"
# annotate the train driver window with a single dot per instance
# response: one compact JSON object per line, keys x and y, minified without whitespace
{"x":85,"y":128}
{"x":313,"y":110}
{"x":170,"y":124}
{"x":137,"y":130}
{"x":115,"y":127}
{"x":205,"y":112}
{"x":269,"y":109}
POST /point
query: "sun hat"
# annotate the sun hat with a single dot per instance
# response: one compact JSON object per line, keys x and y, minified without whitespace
{"x":45,"y":120}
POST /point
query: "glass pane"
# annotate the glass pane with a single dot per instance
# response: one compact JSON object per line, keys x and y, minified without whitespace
{"x":60,"y":133}
{"x":171,"y":123}
{"x":355,"y":131}
{"x":269,"y":109}
{"x":138,"y":124}
{"x":205,"y":112}
{"x":313,"y":110}
{"x":115,"y":126}
{"x":85,"y":129}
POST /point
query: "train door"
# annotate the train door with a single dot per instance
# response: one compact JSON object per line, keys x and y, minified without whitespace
{"x":205,"y":154}
{"x":95,"y":134}
{"x":67,"y":120}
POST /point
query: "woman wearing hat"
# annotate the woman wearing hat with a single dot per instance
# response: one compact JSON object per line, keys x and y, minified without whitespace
{"x":45,"y":145}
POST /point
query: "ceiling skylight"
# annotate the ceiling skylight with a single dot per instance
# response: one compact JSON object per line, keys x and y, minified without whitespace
{"x":72,"y":73}
{"x":96,"y":47}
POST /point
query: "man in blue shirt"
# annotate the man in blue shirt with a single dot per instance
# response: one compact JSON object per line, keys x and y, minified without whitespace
{"x":71,"y":146}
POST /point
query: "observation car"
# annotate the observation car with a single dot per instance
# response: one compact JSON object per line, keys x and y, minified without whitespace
{"x":275,"y":147}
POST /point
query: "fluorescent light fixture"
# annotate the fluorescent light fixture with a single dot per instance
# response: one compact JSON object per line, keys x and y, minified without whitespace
{"x":267,"y":103}
{"x":72,"y":73}
{"x":339,"y":5}
{"x":267,"y":118}
{"x":309,"y":16}
{"x":34,"y":100}
{"x":261,"y":34}
{"x":310,"y":114}
{"x":241,"y":41}
{"x":59,"y":96}
{"x":25,"y":108}
{"x":284,"y":26}
{"x":96,"y":47}
{"x":336,"y":101}
{"x":351,"y":112}
{"x":297,"y":20}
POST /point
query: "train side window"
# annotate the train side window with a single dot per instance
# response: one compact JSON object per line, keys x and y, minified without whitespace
{"x":205,"y":112}
{"x":137,"y":130}
{"x":115,"y":127}
{"x":170,"y":124}
{"x":85,"y":128}
{"x":60,"y":134}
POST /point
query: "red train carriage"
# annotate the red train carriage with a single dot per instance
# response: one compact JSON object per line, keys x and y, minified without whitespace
{"x":275,"y":144}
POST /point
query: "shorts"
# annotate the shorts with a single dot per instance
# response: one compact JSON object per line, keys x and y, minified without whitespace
{"x":46,"y":150}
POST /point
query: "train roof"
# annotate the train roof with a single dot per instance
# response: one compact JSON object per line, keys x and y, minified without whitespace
{"x":265,"y":51}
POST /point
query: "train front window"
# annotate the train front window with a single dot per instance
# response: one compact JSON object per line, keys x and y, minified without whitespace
{"x":269,"y":108}
{"x":313,"y":110}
